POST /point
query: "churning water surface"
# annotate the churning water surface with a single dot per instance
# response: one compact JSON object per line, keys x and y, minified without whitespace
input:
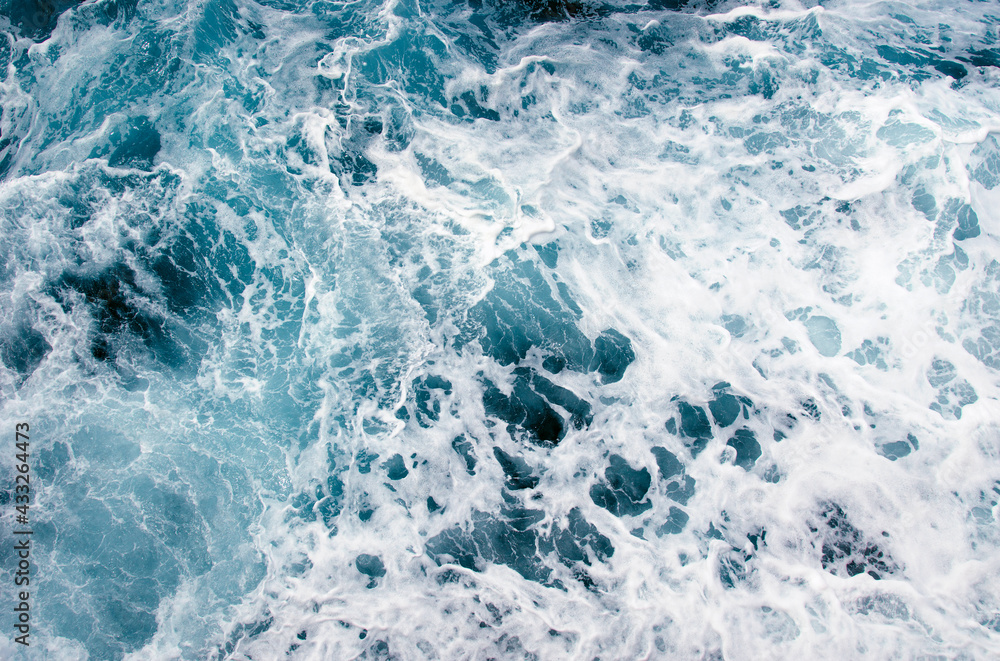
{"x":503,"y":330}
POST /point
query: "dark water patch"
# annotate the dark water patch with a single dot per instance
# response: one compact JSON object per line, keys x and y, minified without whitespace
{"x":36,"y":19}
{"x":508,"y":538}
{"x":519,"y":474}
{"x":918,"y":61}
{"x":524,"y":310}
{"x":119,"y":9}
{"x":548,"y":253}
{"x":302,"y":506}
{"x":328,"y":504}
{"x":433,"y":172}
{"x":364,"y":460}
{"x":378,"y":651}
{"x":427,"y":392}
{"x":694,"y":428}
{"x":395,"y":467}
{"x":925,"y":203}
{"x":463,"y":447}
{"x":676,"y":521}
{"x":751,"y":27}
{"x":679,"y":487}
{"x":22,"y":349}
{"x":898,"y":449}
{"x":727,"y":407}
{"x":667,"y":462}
{"x":600,"y":229}
{"x":983,"y":57}
{"x":354,"y":167}
{"x":371,"y":566}
{"x":512,"y":538}
{"x":497,"y":17}
{"x":120,"y":309}
{"x":132,"y":144}
{"x":177,"y":272}
{"x":624,"y":489}
{"x":193,"y":270}
{"x":467,"y":105}
{"x":846,"y":551}
{"x":968,"y":223}
{"x":799,"y":216}
{"x":612,"y":355}
{"x":578,"y":409}
{"x":747,"y":448}
{"x":528,"y":415}
{"x":573,"y":542}
{"x":811,"y":409}
{"x":510,"y":14}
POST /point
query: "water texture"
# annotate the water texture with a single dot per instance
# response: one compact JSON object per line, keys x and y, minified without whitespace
{"x":503,"y":330}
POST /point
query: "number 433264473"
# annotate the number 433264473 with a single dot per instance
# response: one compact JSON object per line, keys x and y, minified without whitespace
{"x":22,"y":479}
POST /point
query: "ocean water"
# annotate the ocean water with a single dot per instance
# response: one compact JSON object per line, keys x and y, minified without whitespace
{"x":481,"y":329}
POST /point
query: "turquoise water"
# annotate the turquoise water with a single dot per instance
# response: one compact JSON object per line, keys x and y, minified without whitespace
{"x":512,"y":330}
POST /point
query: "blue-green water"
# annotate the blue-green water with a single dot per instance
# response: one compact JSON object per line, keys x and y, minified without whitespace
{"x":510,"y":330}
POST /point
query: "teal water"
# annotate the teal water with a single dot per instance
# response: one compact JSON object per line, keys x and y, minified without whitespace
{"x":512,"y":330}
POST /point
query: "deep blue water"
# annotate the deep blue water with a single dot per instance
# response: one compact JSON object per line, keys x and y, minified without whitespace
{"x":503,"y":330}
